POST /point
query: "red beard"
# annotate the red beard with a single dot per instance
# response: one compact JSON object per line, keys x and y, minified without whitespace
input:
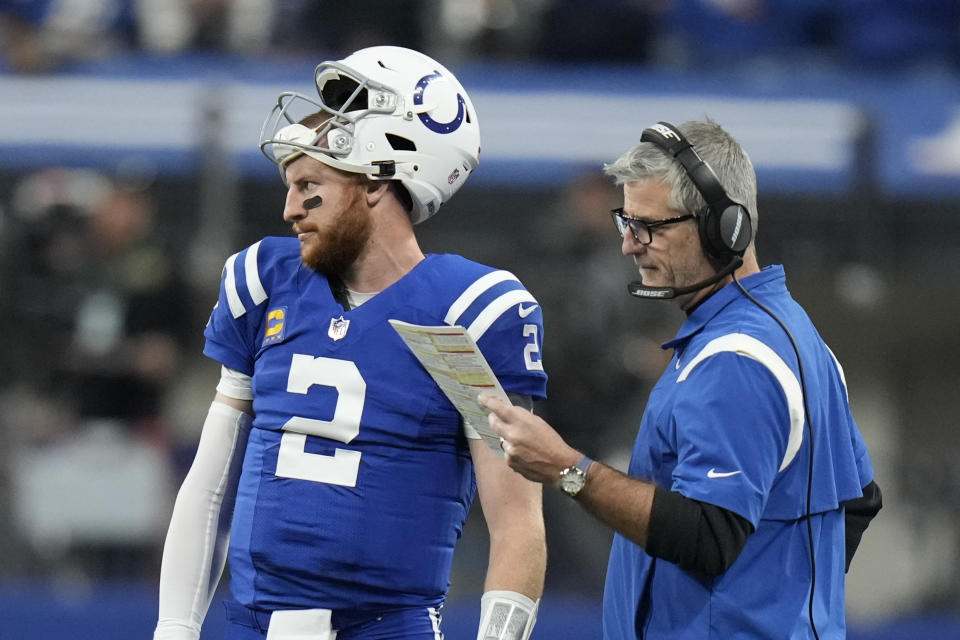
{"x":334,"y":250}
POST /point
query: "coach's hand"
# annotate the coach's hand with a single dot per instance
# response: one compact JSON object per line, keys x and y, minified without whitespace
{"x":532,"y":447}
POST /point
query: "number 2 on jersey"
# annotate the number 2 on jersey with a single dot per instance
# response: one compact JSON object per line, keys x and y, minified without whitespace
{"x":531,"y":349}
{"x":342,"y":467}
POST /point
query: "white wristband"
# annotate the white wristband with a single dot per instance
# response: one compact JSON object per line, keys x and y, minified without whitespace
{"x":506,"y":615}
{"x":175,"y":630}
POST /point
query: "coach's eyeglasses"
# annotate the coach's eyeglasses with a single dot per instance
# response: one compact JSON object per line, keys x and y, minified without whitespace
{"x":642,"y":231}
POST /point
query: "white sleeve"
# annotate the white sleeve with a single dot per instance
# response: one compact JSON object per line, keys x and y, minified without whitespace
{"x":194,"y":553}
{"x":235,"y":384}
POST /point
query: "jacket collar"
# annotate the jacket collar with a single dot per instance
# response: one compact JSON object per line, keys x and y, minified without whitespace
{"x":709,"y":308}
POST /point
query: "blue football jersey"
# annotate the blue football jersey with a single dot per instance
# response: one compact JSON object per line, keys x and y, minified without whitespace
{"x":357,"y":477}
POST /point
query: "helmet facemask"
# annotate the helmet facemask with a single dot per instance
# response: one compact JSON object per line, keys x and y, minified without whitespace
{"x":341,"y":96}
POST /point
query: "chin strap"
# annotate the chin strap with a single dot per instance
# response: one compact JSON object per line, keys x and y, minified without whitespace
{"x":506,"y":615}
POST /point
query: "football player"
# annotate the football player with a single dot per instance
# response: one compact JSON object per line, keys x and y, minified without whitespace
{"x":331,"y":470}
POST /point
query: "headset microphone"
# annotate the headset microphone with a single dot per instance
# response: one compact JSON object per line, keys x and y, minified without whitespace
{"x":638,"y":289}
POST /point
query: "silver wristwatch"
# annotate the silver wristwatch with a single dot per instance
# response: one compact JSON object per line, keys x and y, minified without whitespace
{"x":573,"y":479}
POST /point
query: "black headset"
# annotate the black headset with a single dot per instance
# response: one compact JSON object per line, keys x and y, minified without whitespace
{"x":725,"y":233}
{"x":725,"y":226}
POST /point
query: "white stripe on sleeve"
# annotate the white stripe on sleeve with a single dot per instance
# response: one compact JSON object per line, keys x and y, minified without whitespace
{"x":495,"y":309}
{"x":230,"y":285}
{"x":473,"y":292}
{"x":744,"y":345}
{"x":254,"y":286}
{"x":843,"y":378}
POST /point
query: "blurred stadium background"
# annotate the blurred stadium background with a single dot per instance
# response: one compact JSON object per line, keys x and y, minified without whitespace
{"x":129,"y":172}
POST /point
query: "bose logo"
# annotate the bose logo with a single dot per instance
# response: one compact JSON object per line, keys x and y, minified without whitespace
{"x":666,"y":132}
{"x":652,"y":293}
{"x":736,"y":229}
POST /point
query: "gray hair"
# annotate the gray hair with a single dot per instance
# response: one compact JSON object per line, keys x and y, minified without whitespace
{"x":717,"y":148}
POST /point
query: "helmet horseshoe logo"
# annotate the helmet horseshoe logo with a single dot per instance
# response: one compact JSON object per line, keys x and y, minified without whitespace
{"x":430,"y":123}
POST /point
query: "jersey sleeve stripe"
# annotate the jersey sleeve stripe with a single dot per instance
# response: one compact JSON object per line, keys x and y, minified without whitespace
{"x":257,"y":293}
{"x":473,"y":292}
{"x":748,"y":346}
{"x":843,"y":378}
{"x":495,"y":309}
{"x":230,"y":287}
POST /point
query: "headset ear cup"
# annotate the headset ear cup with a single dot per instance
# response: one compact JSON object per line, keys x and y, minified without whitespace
{"x":726,"y":235}
{"x":735,"y":230}
{"x":710,"y":237}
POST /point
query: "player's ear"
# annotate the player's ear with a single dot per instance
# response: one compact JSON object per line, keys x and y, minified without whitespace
{"x":375,"y":191}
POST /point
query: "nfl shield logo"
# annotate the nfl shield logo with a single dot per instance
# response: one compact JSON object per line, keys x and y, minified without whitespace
{"x":338,"y":328}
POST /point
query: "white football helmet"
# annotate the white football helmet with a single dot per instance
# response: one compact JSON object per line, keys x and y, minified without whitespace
{"x":394,"y":114}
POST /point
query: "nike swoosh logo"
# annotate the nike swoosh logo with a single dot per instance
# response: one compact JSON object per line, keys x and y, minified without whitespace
{"x":713,"y":473}
{"x":524,"y":312}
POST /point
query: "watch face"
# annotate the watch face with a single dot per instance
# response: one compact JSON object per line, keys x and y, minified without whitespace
{"x":572,"y":481}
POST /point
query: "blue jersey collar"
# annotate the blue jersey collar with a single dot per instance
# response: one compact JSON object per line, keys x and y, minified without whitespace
{"x":772,"y":274}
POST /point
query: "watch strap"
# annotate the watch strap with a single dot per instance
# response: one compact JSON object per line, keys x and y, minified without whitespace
{"x":573,"y":479}
{"x":583,"y":464}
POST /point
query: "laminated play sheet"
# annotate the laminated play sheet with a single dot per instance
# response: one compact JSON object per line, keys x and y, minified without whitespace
{"x":454,"y":361}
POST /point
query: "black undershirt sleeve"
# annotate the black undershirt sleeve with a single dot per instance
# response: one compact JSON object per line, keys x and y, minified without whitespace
{"x":694,"y":535}
{"x":521,"y":400}
{"x":857,"y":515}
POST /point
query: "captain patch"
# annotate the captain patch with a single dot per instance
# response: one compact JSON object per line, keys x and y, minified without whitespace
{"x":276,"y":325}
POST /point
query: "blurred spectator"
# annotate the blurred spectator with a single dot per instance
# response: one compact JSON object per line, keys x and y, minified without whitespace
{"x":100,"y":305}
{"x":46,"y":245}
{"x":129,"y":322}
{"x":485,"y":29}
{"x":225,"y":26}
{"x":49,"y":35}
{"x":46,"y":35}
